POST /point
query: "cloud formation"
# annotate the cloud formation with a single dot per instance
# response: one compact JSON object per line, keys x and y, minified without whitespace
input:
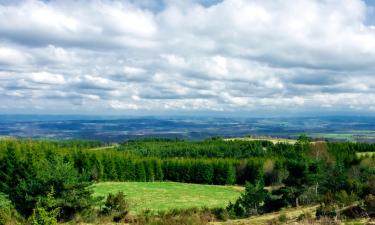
{"x":154,"y":56}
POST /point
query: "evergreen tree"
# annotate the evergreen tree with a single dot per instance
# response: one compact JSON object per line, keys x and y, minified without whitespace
{"x":140,"y":171}
{"x":158,"y":170}
{"x":96,"y":173}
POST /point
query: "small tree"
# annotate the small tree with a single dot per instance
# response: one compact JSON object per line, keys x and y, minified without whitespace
{"x":116,"y":205}
{"x":250,"y":202}
{"x":253,"y":197}
{"x":5,"y":209}
{"x":45,"y":212}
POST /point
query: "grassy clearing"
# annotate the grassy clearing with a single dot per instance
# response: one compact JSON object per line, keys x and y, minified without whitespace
{"x":365,"y":154}
{"x":354,"y":135}
{"x":271,"y":139}
{"x":105,"y":147}
{"x":161,"y":196}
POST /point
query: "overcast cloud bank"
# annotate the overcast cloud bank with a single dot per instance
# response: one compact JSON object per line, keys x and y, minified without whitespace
{"x":155,"y":56}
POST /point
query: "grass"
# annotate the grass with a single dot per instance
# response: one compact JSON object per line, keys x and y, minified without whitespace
{"x":160,"y":196}
{"x":271,"y":139}
{"x":353,"y":135}
{"x":290,"y":213}
{"x":365,"y":154}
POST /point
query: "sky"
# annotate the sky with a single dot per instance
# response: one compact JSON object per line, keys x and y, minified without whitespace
{"x":140,"y":57}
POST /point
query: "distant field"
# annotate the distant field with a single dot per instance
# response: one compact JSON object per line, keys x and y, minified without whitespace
{"x":271,"y":139}
{"x":353,"y":135}
{"x":169,"y":195}
{"x":365,"y":154}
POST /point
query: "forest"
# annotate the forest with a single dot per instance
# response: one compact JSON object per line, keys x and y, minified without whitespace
{"x":49,"y":182}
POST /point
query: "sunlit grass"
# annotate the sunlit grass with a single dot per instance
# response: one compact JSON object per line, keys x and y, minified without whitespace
{"x":169,"y":195}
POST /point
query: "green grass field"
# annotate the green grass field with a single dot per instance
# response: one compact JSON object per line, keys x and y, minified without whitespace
{"x":271,"y":139}
{"x":365,"y":154}
{"x":161,"y":196}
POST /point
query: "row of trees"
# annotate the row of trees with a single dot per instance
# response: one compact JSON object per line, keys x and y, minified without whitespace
{"x":239,"y":149}
{"x":119,"y":166}
{"x":108,"y":165}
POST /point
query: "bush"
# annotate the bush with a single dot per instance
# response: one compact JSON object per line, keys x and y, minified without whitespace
{"x":344,"y":199}
{"x":191,"y":216}
{"x":116,"y":206}
{"x":5,"y":216}
{"x":170,"y":219}
{"x":283,"y":218}
{"x":45,"y":213}
{"x":220,"y":214}
{"x":304,"y":216}
{"x":5,"y":209}
{"x":326,"y":211}
{"x":370,"y":205}
{"x":250,"y":202}
{"x":236,"y":210}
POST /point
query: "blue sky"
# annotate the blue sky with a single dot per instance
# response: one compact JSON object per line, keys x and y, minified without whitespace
{"x":273,"y":57}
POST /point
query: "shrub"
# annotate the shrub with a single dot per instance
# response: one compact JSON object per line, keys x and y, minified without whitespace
{"x":236,"y":210}
{"x":191,"y":216}
{"x":220,"y":214}
{"x":344,"y":198}
{"x":5,"y":216}
{"x":326,"y":211}
{"x":195,"y":219}
{"x":250,"y":202}
{"x":370,"y":205}
{"x":282,"y":218}
{"x":45,"y":213}
{"x":5,"y":209}
{"x":304,"y":216}
{"x":117,"y":206}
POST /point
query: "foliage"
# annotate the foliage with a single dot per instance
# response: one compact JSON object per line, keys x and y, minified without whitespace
{"x":282,"y":218}
{"x":5,"y":209}
{"x":117,"y":206}
{"x":177,"y":217}
{"x":344,"y":199}
{"x":45,"y":211}
{"x":326,"y":211}
{"x":370,"y":205}
{"x":28,"y":174}
{"x":302,"y":173}
{"x":250,"y":201}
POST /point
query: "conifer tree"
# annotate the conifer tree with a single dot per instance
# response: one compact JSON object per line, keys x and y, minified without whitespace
{"x":140,"y":171}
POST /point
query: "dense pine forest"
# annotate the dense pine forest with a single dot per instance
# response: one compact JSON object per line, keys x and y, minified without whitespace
{"x":52,"y":179}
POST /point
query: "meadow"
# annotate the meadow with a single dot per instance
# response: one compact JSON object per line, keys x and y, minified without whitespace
{"x":162,"y":196}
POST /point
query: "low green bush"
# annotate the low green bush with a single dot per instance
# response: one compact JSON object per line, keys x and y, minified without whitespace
{"x":45,"y":211}
{"x":326,"y":211}
{"x":5,"y":209}
{"x":282,"y":218}
{"x":370,"y":205}
{"x":220,"y":213}
{"x":116,"y":206}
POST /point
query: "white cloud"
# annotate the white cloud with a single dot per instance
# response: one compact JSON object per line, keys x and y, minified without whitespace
{"x":182,"y":55}
{"x":46,"y":78}
{"x":11,"y":56}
